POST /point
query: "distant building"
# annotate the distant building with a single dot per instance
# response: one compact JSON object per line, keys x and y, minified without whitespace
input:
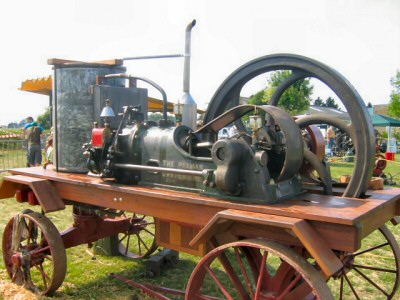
{"x":312,"y":110}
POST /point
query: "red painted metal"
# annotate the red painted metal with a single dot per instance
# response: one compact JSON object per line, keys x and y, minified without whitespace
{"x":22,"y":195}
{"x":39,"y":261}
{"x":32,"y":200}
{"x":286,"y":276}
{"x":143,"y":287}
{"x":153,"y":290}
{"x":90,"y":227}
{"x":317,"y":146}
{"x":97,"y":137}
{"x":26,"y":195}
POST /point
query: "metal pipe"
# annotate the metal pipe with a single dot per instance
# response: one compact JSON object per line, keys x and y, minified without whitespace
{"x":152,"y":83}
{"x":186,"y":67}
{"x":159,"y":169}
{"x":153,"y":56}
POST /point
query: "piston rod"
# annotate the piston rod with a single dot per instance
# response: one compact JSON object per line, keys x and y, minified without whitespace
{"x":159,"y":169}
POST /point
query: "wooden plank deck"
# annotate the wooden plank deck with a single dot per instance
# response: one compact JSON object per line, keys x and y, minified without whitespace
{"x":333,"y":217}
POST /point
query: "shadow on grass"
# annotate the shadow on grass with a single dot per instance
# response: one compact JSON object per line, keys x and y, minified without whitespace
{"x":95,"y":283}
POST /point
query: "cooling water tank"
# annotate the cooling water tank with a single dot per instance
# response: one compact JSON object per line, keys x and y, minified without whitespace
{"x":73,"y":110}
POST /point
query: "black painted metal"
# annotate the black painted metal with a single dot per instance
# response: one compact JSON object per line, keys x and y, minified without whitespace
{"x":228,"y":94}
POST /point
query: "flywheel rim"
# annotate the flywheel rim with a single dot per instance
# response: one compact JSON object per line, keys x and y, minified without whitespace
{"x":227,"y":95}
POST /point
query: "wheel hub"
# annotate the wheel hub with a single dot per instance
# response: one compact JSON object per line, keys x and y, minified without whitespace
{"x":27,"y":256}
{"x":348,"y":262}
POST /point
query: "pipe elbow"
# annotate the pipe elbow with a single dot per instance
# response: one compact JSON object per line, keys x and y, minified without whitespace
{"x":190,"y":26}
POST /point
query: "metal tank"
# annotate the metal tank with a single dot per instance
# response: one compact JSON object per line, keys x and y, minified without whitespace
{"x":73,"y":110}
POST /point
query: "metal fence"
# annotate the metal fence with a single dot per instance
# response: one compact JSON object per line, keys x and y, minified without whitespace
{"x":12,"y":154}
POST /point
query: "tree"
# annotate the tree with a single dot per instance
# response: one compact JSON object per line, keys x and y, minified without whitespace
{"x":319,"y":102}
{"x":329,"y":102}
{"x":394,"y":103}
{"x":295,"y":100}
{"x":157,"y":116}
{"x":45,"y":119}
{"x":257,"y":98}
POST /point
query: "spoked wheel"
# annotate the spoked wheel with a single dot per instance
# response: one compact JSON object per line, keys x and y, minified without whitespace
{"x":373,"y":270}
{"x":360,"y":129}
{"x":255,"y":269}
{"x":34,"y":253}
{"x":139,"y":241}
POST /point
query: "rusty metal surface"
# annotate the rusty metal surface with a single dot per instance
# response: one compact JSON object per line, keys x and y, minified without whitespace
{"x":249,"y":266}
{"x":25,"y":251}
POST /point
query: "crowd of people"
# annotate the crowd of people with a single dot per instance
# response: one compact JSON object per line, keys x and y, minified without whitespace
{"x":34,"y":134}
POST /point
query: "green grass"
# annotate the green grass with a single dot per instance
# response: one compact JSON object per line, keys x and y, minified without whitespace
{"x":87,"y":275}
{"x":87,"y":278}
{"x":338,"y":167}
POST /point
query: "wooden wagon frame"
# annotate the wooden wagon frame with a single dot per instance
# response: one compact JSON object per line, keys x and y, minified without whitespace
{"x":325,"y":227}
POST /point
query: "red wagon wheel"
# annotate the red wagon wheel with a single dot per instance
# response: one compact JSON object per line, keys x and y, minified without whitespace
{"x":256,"y":269}
{"x":374,"y":269}
{"x":34,"y":252}
{"x":139,"y":241}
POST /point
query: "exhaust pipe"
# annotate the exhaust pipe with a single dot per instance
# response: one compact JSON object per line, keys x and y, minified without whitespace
{"x":189,"y":114}
{"x":186,"y":67}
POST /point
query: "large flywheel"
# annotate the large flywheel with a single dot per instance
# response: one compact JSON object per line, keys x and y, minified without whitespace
{"x":359,"y":129}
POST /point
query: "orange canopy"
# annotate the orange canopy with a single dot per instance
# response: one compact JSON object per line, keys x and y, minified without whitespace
{"x":40,"y":86}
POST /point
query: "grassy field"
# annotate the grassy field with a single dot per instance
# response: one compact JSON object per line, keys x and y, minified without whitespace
{"x":87,"y":275}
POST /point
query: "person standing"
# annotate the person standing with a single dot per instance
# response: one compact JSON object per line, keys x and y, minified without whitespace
{"x":33,"y":132}
{"x":330,"y":136}
{"x":49,"y":152}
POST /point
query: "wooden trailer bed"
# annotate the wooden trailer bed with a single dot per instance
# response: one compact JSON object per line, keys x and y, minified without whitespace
{"x":335,"y":218}
{"x":189,"y":222}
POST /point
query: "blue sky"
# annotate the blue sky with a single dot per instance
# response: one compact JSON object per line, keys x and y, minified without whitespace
{"x":360,"y":39}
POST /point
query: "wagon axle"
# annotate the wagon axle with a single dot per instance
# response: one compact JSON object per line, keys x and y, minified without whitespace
{"x":31,"y":254}
{"x":90,"y":227}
